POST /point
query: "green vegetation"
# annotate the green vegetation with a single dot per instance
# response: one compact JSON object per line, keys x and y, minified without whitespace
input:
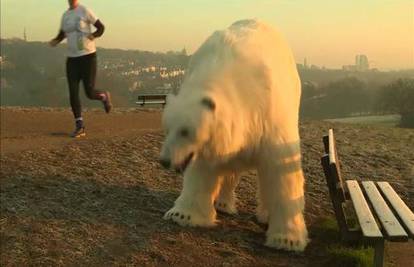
{"x":339,"y":253}
{"x":340,"y":98}
{"x":357,"y":101}
{"x":351,"y":257}
{"x":33,"y":74}
{"x":398,"y":97}
{"x":384,"y":120}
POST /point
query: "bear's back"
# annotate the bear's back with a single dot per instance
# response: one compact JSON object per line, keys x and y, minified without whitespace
{"x":249,"y":66}
{"x":249,"y":54}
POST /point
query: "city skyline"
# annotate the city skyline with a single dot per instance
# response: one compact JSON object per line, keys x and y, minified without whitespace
{"x":327,"y":34}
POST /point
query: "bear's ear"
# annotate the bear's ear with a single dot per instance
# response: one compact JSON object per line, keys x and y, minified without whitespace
{"x":209,"y":103}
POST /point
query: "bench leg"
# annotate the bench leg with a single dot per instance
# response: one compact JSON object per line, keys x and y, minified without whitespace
{"x":379,"y":254}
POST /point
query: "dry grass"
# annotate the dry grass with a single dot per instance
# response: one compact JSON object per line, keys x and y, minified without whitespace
{"x":100,"y":202}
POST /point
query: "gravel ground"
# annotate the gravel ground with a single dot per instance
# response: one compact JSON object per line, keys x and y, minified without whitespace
{"x":99,"y":201}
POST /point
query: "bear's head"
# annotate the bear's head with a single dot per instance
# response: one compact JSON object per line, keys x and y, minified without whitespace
{"x":187,"y":123}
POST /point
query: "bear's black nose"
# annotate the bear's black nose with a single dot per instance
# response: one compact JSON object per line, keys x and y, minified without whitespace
{"x":166,"y":163}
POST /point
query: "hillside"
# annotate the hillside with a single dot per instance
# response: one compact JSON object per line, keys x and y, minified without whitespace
{"x":33,"y":74}
{"x":99,"y":201}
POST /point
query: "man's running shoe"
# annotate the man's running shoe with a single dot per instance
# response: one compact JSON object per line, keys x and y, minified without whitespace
{"x":107,"y":102}
{"x":79,"y":132}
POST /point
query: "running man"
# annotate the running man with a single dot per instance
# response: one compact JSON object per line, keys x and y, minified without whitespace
{"x":81,"y":63}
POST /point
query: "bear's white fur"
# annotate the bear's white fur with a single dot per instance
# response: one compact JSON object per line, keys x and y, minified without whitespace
{"x":237,"y":109}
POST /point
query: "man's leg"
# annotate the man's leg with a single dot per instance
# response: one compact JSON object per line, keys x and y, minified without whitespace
{"x":88,"y":74}
{"x":73,"y":76}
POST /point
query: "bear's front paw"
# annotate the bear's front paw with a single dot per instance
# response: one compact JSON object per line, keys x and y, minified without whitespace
{"x":226,"y":206}
{"x":187,"y":217}
{"x":287,"y":242}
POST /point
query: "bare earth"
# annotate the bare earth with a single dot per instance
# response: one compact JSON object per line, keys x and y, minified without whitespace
{"x":99,"y":201}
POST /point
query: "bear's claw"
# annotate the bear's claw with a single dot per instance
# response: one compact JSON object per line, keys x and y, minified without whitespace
{"x":283,"y":242}
{"x":168,"y":216}
{"x":187,"y":218}
{"x":222,"y":206}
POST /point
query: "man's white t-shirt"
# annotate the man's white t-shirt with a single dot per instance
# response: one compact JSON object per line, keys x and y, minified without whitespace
{"x":76,"y":24}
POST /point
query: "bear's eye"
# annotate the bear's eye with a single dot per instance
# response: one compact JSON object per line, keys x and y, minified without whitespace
{"x":184,"y":132}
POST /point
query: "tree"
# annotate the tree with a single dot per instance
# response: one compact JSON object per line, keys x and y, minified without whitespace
{"x":346,"y":97}
{"x":398,"y":97}
{"x":341,"y":98}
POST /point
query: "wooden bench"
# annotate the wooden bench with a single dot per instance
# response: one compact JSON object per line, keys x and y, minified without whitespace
{"x":373,"y":213}
{"x":153,"y":97}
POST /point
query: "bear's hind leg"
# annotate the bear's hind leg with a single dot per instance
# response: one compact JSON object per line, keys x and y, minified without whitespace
{"x":194,"y":206}
{"x":282,"y":182}
{"x":226,"y":200}
{"x":262,"y":210}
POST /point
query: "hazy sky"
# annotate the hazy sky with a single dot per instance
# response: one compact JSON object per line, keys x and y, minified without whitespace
{"x":327,"y":32}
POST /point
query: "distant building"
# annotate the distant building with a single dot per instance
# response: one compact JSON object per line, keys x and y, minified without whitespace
{"x":361,"y":64}
{"x":184,"y":52}
{"x":349,"y":67}
{"x":361,"y":61}
{"x":307,"y":66}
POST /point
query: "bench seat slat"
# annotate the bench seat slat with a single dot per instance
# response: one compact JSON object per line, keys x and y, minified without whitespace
{"x":402,"y":210}
{"x":150,"y":102}
{"x":366,"y":220}
{"x":152,"y":96}
{"x":393,"y":230}
{"x":149,"y":99}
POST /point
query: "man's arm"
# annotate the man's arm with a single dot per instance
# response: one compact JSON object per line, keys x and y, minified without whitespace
{"x":93,"y":19}
{"x":59,"y":38}
{"x":100,"y":28}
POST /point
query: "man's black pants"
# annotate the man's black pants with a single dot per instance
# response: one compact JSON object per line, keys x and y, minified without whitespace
{"x":83,"y":69}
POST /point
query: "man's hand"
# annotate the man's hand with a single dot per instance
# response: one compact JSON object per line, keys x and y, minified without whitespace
{"x":91,"y":37}
{"x":54,"y":42}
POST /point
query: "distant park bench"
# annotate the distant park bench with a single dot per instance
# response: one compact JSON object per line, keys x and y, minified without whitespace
{"x":380,"y":213}
{"x":153,"y":97}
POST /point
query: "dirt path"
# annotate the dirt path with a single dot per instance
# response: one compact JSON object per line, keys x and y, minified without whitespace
{"x":33,"y":129}
{"x":99,"y":200}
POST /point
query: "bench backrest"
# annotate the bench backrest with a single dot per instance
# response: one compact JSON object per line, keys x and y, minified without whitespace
{"x":152,"y":99}
{"x":331,"y":167}
{"x":376,"y":213}
{"x":334,"y":164}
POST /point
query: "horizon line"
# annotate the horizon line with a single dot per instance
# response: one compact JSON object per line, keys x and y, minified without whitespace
{"x":321,"y":67}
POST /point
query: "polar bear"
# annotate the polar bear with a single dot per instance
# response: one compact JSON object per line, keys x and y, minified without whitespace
{"x":237,"y":109}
